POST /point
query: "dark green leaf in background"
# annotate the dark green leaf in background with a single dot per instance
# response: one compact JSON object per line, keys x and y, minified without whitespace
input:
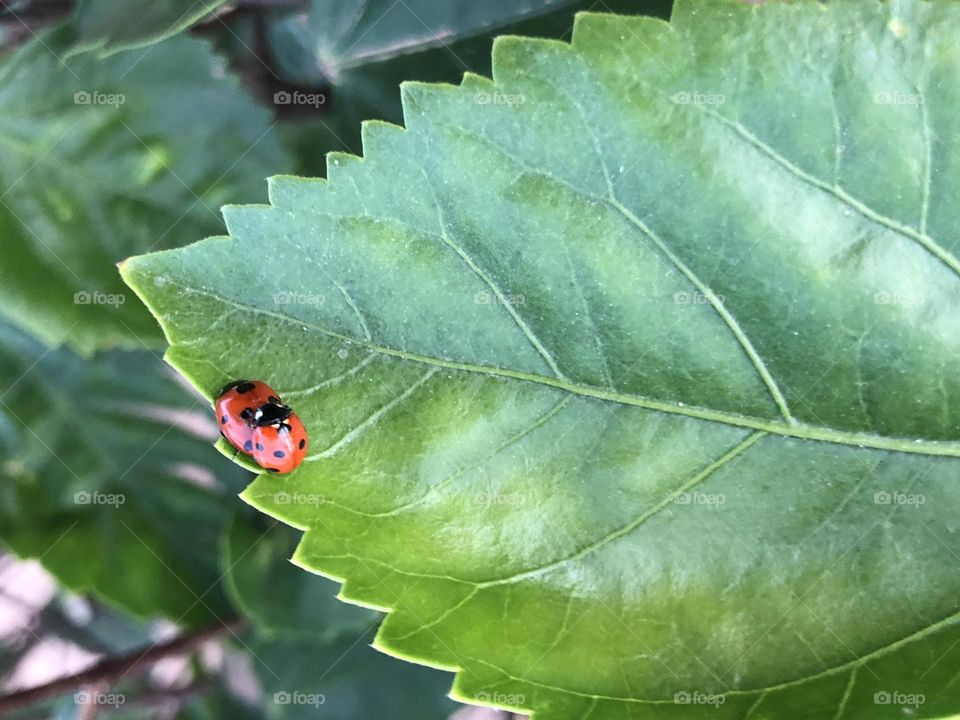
{"x":359,"y":61}
{"x":103,"y":158}
{"x":353,"y":679}
{"x":311,"y":653}
{"x":280,"y":601}
{"x":109,"y":26}
{"x":332,"y":42}
{"x":109,"y":478}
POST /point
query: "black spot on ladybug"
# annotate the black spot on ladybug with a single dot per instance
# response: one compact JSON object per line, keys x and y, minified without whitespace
{"x":260,"y":446}
{"x":223,"y":419}
{"x":279,"y":453}
{"x":230,"y":386}
{"x":244,"y":387}
{"x":274,"y":469}
{"x":248,"y":446}
{"x":302,"y":443}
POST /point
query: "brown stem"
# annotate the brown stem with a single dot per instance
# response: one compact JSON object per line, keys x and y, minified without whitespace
{"x":111,"y":669}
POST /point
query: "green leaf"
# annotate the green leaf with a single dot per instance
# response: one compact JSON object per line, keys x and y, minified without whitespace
{"x":102,"y":159}
{"x":640,"y":389}
{"x":282,"y":602}
{"x":334,"y":42}
{"x":311,"y":652}
{"x":345,"y":678}
{"x":109,"y":26}
{"x":217,"y":703}
{"x":106,"y":479}
{"x":360,"y":54}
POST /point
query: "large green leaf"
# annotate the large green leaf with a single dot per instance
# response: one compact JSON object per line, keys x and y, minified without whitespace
{"x":311,"y":653}
{"x":101,"y":159}
{"x":112,"y":25}
{"x":105,"y":478}
{"x":643,"y":389}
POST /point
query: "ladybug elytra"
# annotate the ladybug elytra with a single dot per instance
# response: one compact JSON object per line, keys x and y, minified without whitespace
{"x":254,"y":419}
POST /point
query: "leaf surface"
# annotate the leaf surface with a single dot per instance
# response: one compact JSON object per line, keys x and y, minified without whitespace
{"x":359,"y":54}
{"x":100,"y":159}
{"x":109,"y":26}
{"x":327,"y":41}
{"x":281,"y":602}
{"x":312,"y":654}
{"x":641,"y":390}
{"x":107,"y":479}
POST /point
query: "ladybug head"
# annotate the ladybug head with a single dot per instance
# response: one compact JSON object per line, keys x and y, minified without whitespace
{"x":271,"y":413}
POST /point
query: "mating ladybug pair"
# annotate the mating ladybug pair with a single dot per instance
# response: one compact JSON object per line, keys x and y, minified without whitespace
{"x":254,"y":420}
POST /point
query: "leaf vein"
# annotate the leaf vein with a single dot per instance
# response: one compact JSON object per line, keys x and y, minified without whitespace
{"x":331,"y":381}
{"x":372,"y":419}
{"x":488,"y":280}
{"x":848,"y":691}
{"x":931,"y":245}
{"x":873,"y":655}
{"x":637,"y":522}
{"x":802,"y":431}
{"x":725,"y":315}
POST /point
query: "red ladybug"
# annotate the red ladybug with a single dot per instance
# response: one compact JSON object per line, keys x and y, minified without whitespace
{"x":255,"y":421}
{"x":236,"y":405}
{"x":280,"y":447}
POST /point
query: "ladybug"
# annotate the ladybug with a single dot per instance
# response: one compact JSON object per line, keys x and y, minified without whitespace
{"x":280,"y":447}
{"x":255,"y":421}
{"x":236,"y":405}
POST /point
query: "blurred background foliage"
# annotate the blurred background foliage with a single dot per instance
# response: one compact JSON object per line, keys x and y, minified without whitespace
{"x":124,"y":126}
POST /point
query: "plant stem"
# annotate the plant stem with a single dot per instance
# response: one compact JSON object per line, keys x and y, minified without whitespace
{"x":110,"y":670}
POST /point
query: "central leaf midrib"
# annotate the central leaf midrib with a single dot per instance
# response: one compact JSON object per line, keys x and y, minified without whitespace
{"x":818,"y":433}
